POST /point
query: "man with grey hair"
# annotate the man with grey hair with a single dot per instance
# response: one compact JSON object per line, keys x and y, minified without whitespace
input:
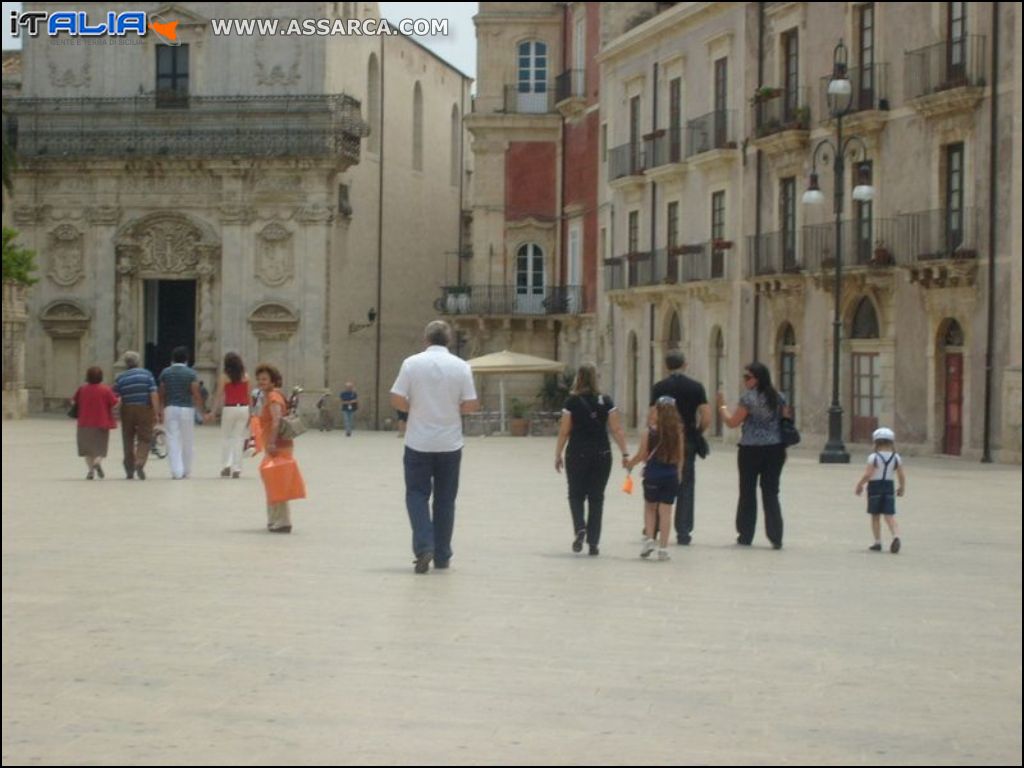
{"x":435,"y":387}
{"x":140,"y":409}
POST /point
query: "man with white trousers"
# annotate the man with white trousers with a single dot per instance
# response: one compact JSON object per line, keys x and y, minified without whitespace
{"x":180,"y":398}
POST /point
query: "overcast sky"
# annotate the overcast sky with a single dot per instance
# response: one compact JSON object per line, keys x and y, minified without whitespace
{"x":459,"y":47}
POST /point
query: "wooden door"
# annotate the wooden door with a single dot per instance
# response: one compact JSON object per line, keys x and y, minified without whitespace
{"x":953,"y":438}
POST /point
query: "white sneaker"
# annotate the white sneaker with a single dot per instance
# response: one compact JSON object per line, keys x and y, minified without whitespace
{"x":663,"y":553}
{"x":647,"y":548}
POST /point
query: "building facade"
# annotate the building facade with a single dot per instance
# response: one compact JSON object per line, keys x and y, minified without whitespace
{"x":714,"y":112}
{"x":529,"y":282}
{"x":269,"y":195}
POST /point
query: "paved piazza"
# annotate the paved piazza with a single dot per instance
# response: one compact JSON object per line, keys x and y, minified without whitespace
{"x":159,"y":623}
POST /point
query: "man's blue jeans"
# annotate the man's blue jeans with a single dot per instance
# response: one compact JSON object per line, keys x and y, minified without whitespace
{"x":434,"y":474}
{"x":349,"y":418}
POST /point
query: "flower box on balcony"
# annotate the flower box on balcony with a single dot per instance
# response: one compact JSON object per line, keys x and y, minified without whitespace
{"x":689,"y":250}
{"x":765,"y":93}
{"x":721,"y":245}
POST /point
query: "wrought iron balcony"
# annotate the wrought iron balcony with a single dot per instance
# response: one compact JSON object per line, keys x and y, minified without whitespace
{"x":491,"y":300}
{"x":700,"y":261}
{"x":944,"y":66}
{"x":941,"y":234}
{"x":874,"y":243}
{"x":520,"y":101}
{"x":778,"y":109}
{"x":570,"y":85}
{"x":201,"y":126}
{"x":870,"y":90}
{"x":664,"y":147}
{"x":774,"y":253}
{"x":626,"y":160}
{"x":715,"y":130}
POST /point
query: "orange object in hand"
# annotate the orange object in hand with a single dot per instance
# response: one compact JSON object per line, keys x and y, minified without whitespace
{"x":627,"y":484}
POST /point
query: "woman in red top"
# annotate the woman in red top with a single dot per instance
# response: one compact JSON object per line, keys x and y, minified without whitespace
{"x":232,"y":398}
{"x":95,"y":403}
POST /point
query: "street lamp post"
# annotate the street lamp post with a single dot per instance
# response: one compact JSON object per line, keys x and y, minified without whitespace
{"x":840,"y":101}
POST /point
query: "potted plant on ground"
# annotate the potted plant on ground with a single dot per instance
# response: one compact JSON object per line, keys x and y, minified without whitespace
{"x":518,"y":424}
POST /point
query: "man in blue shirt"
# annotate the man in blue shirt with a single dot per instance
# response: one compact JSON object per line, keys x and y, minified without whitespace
{"x":349,"y":406}
{"x":140,"y":409}
{"x":181,"y":398}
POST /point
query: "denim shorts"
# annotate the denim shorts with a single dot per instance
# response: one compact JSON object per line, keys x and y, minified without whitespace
{"x":661,"y":483}
{"x":881,"y":497}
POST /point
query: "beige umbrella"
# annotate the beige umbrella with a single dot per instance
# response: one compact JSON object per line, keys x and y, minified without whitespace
{"x":506,"y":362}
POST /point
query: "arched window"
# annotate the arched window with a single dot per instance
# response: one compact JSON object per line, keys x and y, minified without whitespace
{"x":456,"y":146}
{"x":417,"y":127}
{"x":532,"y":77}
{"x":787,"y":363}
{"x":373,"y":103}
{"x":865,"y":321}
{"x":530,"y":279}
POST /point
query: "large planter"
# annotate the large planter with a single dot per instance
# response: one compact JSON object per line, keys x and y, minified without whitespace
{"x":519,"y":427}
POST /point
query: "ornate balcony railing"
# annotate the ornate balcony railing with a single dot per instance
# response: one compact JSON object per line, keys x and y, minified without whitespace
{"x":944,"y":66}
{"x":715,"y":130}
{"x":782,"y":111}
{"x":774,"y":253}
{"x":941,"y":234}
{"x":201,"y":126}
{"x":570,"y":85}
{"x":510,"y":300}
{"x":870,"y":90}
{"x":626,"y":160}
{"x":877,"y":243}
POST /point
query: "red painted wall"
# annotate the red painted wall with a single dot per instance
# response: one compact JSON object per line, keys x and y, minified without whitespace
{"x":530,"y":174}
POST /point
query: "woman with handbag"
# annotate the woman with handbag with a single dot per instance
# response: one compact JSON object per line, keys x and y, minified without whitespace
{"x":279,"y":471}
{"x":92,"y":406}
{"x":762,"y":453}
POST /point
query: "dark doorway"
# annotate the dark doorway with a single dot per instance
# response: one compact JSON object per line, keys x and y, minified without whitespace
{"x":170,"y":307}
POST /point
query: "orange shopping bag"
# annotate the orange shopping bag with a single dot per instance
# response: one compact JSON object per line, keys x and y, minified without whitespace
{"x":627,"y":484}
{"x":256,"y":430}
{"x":282,"y":479}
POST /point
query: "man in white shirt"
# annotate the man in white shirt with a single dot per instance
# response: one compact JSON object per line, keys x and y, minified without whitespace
{"x":435,"y":388}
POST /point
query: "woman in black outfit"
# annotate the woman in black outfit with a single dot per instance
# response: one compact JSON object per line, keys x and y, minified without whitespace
{"x":586,"y":418}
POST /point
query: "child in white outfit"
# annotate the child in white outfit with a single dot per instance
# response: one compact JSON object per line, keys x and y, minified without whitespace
{"x":882,"y":465}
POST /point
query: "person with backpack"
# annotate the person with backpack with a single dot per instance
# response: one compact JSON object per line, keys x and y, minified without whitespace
{"x":587,"y":417}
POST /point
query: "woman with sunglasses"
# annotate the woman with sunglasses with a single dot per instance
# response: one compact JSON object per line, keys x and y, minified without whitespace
{"x":761,"y":453}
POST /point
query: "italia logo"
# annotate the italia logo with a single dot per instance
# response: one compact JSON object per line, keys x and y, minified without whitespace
{"x":80,"y":24}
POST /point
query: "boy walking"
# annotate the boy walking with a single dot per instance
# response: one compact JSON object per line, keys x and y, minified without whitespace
{"x":881,"y":466}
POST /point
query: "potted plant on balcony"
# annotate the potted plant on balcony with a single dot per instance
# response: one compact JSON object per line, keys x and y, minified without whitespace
{"x":457,"y":299}
{"x":765,"y":93}
{"x":882,"y":256}
{"x":721,"y":245}
{"x":518,"y":425}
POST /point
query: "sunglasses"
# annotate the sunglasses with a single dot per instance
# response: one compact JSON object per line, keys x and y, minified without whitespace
{"x":666,"y":400}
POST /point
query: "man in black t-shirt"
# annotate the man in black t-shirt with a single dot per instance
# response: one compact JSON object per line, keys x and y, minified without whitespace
{"x":692,"y":403}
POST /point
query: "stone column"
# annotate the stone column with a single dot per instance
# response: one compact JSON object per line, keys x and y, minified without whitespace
{"x":15,"y":319}
{"x":126,"y":270}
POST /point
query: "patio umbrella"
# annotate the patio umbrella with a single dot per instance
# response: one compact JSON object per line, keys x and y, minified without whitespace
{"x":505,"y":362}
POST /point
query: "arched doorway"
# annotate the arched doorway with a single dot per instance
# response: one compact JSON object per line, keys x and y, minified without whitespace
{"x":866,"y":371}
{"x":951,"y":397}
{"x":632,"y":384}
{"x":716,"y":367}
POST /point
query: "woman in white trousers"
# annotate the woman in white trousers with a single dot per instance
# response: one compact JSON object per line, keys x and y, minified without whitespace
{"x":232,"y":399}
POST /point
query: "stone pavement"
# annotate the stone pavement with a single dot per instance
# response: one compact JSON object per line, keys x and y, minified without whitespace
{"x":159,"y":623}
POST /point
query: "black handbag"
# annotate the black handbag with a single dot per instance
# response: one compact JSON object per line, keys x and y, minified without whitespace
{"x":790,"y":434}
{"x":700,"y":445}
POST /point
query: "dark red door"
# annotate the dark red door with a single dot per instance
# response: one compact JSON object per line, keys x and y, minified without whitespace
{"x":866,"y":396}
{"x":953,"y":438}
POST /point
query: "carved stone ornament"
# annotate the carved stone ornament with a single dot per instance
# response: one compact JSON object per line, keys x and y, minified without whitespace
{"x":71,"y":77}
{"x":273,"y":321}
{"x":275,"y":261}
{"x":278,"y":74}
{"x":64,"y":319}
{"x":65,"y":256}
{"x":167,"y":244}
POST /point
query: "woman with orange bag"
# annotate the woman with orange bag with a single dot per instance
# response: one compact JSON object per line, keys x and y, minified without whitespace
{"x":279,"y":471}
